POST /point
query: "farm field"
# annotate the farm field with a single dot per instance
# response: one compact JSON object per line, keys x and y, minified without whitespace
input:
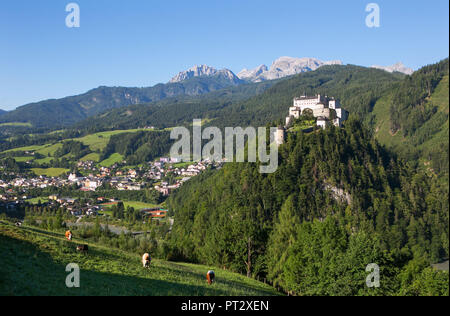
{"x":97,"y":141}
{"x":114,"y":158}
{"x":16,"y":124}
{"x":49,"y":172}
{"x":36,"y":200}
{"x":26,"y":148}
{"x":138,"y":205}
{"x":91,"y":157}
{"x":23,"y":159}
{"x":134,"y":204}
{"x":44,"y":160}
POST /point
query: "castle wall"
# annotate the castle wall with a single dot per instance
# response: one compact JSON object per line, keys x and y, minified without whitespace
{"x":279,"y":136}
{"x":322,"y":124}
{"x":295,"y":112}
{"x":325,"y":112}
{"x":288,"y":120}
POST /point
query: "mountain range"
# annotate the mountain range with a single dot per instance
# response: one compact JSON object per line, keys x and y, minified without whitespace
{"x":206,"y":71}
{"x":283,"y":67}
{"x":398,"y":67}
{"x":2,"y":112}
{"x":253,"y":104}
{"x":198,"y":80}
{"x":280,"y":68}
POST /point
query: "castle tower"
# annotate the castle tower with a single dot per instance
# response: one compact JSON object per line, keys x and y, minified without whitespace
{"x":279,"y":135}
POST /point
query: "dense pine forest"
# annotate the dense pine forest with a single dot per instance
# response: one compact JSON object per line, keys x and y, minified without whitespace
{"x":138,"y":147}
{"x":338,"y":202}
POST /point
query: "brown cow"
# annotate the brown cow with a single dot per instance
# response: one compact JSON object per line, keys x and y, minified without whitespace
{"x":210,"y":276}
{"x":83,"y":248}
{"x":146,"y":260}
{"x":68,"y":235}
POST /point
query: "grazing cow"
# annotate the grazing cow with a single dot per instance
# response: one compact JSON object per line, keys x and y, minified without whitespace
{"x":68,"y":235}
{"x":210,"y":276}
{"x":18,"y":224}
{"x":83,"y":248}
{"x":146,"y":260}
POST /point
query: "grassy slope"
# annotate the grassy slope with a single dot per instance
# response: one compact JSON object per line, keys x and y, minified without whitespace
{"x":91,"y":157}
{"x":23,"y":159}
{"x":27,"y":148}
{"x":440,"y":98}
{"x":36,"y":200}
{"x":381,"y":113}
{"x":111,"y":160}
{"x":32,"y":262}
{"x":97,"y":141}
{"x":16,"y":124}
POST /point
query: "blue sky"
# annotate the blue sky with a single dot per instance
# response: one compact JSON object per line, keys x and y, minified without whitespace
{"x":144,"y":42}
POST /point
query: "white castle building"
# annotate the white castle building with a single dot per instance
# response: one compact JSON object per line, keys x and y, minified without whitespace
{"x":325,"y":109}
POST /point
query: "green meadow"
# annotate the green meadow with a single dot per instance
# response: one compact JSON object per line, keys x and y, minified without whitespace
{"x":49,"y":172}
{"x":33,"y":262}
{"x":23,"y":159}
{"x":17,"y":124}
{"x":114,"y":158}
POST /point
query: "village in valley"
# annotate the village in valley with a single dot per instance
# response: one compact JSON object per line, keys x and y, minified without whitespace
{"x":160,"y":177}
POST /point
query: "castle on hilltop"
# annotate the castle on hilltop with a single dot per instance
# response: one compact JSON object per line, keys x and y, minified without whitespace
{"x":326,"y":110}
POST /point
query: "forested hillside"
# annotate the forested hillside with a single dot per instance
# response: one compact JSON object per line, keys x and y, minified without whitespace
{"x":337,"y":203}
{"x":164,"y":113}
{"x":358,"y":88}
{"x":174,"y":111}
{"x":412,"y":119}
{"x":138,"y":147}
{"x":63,"y":112}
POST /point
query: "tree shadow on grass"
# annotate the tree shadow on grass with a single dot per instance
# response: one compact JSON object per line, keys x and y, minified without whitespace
{"x":25,"y":270}
{"x":236,"y":285}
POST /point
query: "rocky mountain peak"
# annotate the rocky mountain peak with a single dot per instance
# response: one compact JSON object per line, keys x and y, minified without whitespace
{"x":398,"y":67}
{"x":283,"y":67}
{"x":203,"y":71}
